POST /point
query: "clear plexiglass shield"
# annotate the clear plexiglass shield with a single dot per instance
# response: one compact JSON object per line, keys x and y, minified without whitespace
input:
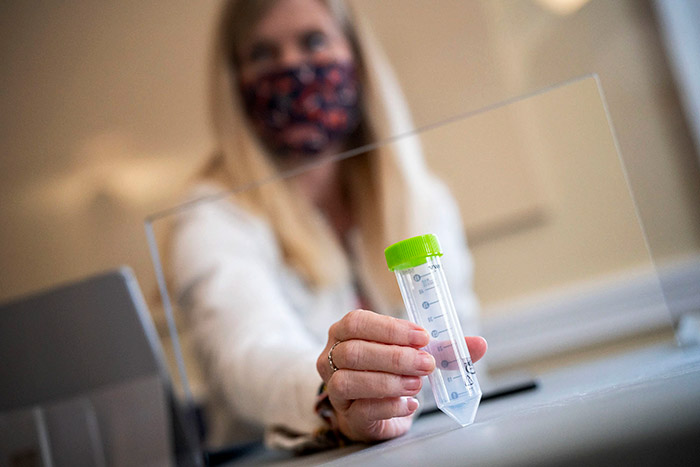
{"x":544,"y":249}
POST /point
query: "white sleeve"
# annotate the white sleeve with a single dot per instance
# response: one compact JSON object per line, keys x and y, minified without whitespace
{"x":459,"y":266}
{"x":254,"y":346}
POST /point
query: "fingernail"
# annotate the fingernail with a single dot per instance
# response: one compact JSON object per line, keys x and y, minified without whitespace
{"x":425,"y":361}
{"x":417,"y":337}
{"x":411,"y":383}
{"x":412,"y":404}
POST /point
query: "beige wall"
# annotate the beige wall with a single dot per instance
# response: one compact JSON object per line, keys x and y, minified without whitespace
{"x":104,"y":115}
{"x":501,"y":48}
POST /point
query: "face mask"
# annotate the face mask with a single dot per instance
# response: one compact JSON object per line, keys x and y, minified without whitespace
{"x":319,"y":102}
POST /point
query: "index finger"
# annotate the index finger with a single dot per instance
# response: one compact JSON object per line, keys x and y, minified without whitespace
{"x":370,"y":326}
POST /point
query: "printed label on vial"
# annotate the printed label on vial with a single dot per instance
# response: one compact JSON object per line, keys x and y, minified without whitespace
{"x":456,"y":375}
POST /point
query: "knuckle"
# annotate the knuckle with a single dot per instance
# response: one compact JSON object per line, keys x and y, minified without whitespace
{"x":354,"y":313}
{"x":339,"y":385}
{"x":392,"y":330}
{"x":334,"y":330}
{"x":380,"y":410}
{"x":353,"y":322}
{"x":364,"y":410}
{"x":321,"y":362}
{"x":397,"y":407}
{"x":397,"y":357}
{"x":387,"y":385}
{"x":352,"y":354}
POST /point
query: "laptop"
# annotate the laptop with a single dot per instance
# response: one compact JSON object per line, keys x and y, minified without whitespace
{"x":85,"y":382}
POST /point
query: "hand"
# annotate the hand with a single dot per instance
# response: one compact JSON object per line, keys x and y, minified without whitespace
{"x":380,"y":365}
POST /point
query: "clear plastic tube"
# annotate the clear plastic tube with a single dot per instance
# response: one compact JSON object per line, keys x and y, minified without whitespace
{"x":429,"y":304}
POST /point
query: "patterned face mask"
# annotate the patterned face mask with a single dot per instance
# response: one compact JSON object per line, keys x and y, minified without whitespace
{"x":322,"y":100}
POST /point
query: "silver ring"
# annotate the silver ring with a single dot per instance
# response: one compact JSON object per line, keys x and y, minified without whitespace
{"x":330,"y":357}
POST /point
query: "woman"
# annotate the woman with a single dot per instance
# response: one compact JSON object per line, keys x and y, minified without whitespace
{"x":273,"y":279}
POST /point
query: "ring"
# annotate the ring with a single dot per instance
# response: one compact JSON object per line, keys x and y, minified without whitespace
{"x":330,"y":357}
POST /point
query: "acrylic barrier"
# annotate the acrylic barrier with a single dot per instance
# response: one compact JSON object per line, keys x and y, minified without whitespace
{"x":544,"y":252}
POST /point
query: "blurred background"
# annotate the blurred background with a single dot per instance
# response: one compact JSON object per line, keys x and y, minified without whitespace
{"x":104,"y":119}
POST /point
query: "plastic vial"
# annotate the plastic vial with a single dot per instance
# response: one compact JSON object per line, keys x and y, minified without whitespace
{"x":416,"y":263}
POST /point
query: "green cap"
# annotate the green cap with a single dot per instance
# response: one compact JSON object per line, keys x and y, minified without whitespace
{"x":412,"y":252}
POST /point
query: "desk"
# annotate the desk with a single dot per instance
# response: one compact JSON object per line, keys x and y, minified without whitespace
{"x":632,"y":409}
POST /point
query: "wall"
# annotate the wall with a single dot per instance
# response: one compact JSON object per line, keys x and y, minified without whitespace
{"x":102,"y":118}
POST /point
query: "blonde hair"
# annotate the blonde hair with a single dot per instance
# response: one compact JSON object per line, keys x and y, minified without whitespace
{"x":380,"y":184}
